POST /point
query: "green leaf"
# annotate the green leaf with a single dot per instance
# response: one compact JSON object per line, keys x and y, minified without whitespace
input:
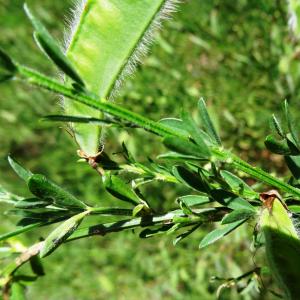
{"x":237,"y":215}
{"x":208,"y":124}
{"x":138,"y":209}
{"x":293,"y":163}
{"x":196,"y":133}
{"x":17,"y":291}
{"x":50,"y":47}
{"x":61,"y":233}
{"x":231,"y":200}
{"x":178,"y":157}
{"x":238,"y":185}
{"x":43,"y":188}
{"x":190,"y":179}
{"x":277,"y":126}
{"x":36,"y":266}
{"x":290,"y":124}
{"x":185,"y":234}
{"x":7,"y":67}
{"x":20,"y":230}
{"x":218,"y":233}
{"x":20,"y":171}
{"x":7,"y":197}
{"x":277,"y":146}
{"x":32,"y":203}
{"x":118,"y":188}
{"x":175,"y":124}
{"x":193,"y":200}
{"x":185,"y":147}
{"x":147,"y":233}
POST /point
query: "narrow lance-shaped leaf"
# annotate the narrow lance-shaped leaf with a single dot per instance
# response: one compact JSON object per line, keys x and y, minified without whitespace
{"x":277,"y":126}
{"x":238,"y":185}
{"x":20,"y":171}
{"x":291,"y":127}
{"x":218,"y":233}
{"x":61,"y":233}
{"x":208,"y":124}
{"x":194,"y":200}
{"x":32,"y":203}
{"x":196,"y":133}
{"x":185,"y":147}
{"x":237,"y":215}
{"x":190,"y":179}
{"x":7,"y":67}
{"x":105,"y":45}
{"x":43,"y":188}
{"x":118,"y":188}
{"x":51,"y":48}
{"x":277,"y":146}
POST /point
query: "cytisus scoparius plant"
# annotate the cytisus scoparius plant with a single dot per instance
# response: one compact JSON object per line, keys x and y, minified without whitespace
{"x":107,"y":39}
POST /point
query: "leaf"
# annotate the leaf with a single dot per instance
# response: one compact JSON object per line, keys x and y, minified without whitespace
{"x":7,"y":197}
{"x":36,"y":266}
{"x":18,"y":231}
{"x":293,"y":163}
{"x":7,"y":67}
{"x":190,"y":179}
{"x":176,"y":124}
{"x":193,"y":200}
{"x":61,"y":233}
{"x":17,"y":291}
{"x":231,"y":200}
{"x":277,"y":126}
{"x":32,"y":203}
{"x":43,"y":188}
{"x":185,"y":147}
{"x":196,"y":133}
{"x":106,"y":49}
{"x":178,"y":157}
{"x":50,"y":47}
{"x":276,"y":146}
{"x":207,"y":122}
{"x":237,"y":215}
{"x":147,"y":233}
{"x":118,"y":188}
{"x":20,"y":171}
{"x":218,"y":233}
{"x":290,"y":124}
{"x":138,"y":209}
{"x":185,"y":234}
{"x":238,"y":185}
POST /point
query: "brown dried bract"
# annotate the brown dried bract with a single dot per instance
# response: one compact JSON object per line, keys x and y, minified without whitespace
{"x":93,"y":161}
{"x":268,"y":199}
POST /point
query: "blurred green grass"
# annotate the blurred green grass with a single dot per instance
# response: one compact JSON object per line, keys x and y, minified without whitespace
{"x":233,"y":55}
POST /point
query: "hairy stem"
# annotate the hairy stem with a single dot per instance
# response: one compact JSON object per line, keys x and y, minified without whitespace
{"x":35,"y":78}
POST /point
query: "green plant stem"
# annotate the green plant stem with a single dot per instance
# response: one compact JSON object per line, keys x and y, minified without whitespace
{"x":207,"y":214}
{"x":35,"y":78}
{"x":110,"y":211}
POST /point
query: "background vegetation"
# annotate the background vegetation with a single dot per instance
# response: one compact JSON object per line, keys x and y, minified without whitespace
{"x":239,"y":56}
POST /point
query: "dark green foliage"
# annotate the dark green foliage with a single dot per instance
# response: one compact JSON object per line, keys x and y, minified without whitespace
{"x":43,"y":188}
{"x":51,"y":48}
